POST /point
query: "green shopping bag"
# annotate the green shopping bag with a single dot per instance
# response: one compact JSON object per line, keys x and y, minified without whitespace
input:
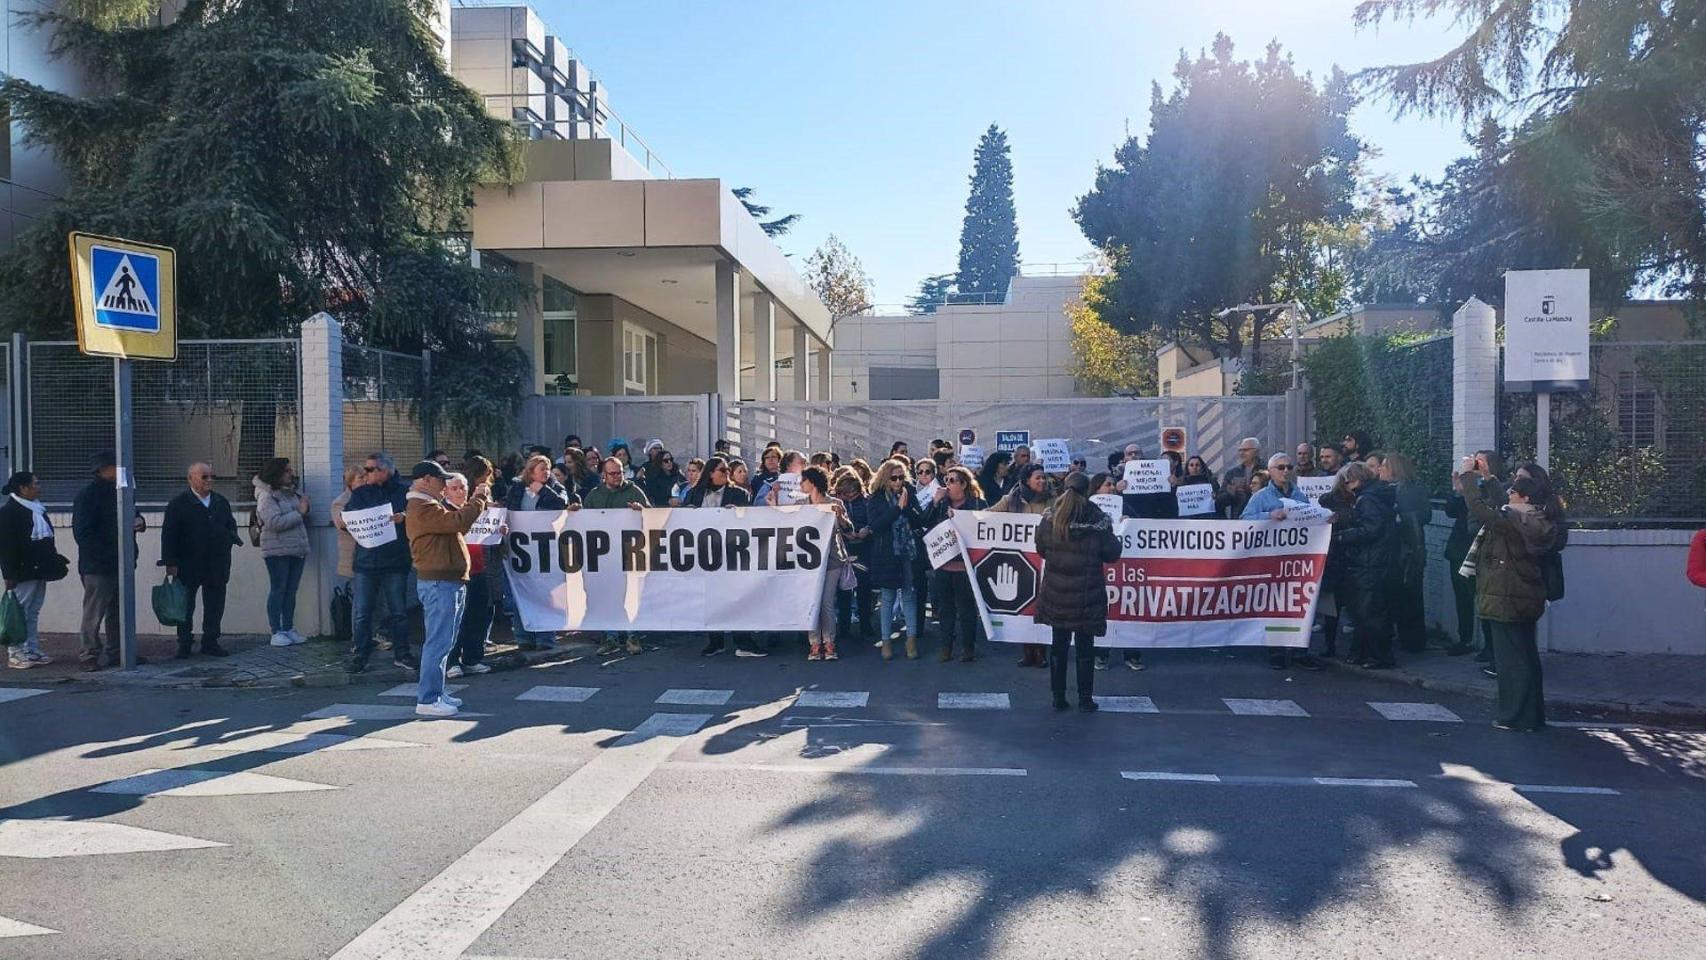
{"x":12,"y":627}
{"x":171,"y":603}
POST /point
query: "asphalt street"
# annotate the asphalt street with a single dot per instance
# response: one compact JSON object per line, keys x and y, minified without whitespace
{"x":676,"y":807}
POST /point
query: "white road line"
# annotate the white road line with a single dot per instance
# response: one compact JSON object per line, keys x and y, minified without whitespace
{"x":559,"y":694}
{"x":413,"y":690}
{"x":1415,"y":711}
{"x":1164,"y":775}
{"x":1264,"y":708}
{"x":833,"y":698}
{"x":1261,"y":781}
{"x":206,"y":783}
{"x":834,"y":769}
{"x":8,"y":694}
{"x":696,"y":698}
{"x":50,"y":839}
{"x":18,"y":928}
{"x":376,"y":711}
{"x":442,"y":919}
{"x":1557,"y":788}
{"x":1127,"y":704}
{"x":279,"y":742}
{"x":1362,"y":782}
{"x":972,"y":701}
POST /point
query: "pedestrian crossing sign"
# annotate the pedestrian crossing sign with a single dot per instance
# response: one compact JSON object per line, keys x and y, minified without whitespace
{"x":125,"y":297}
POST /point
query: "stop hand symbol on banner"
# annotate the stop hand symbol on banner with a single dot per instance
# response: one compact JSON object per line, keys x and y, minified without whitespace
{"x":1007,"y":580}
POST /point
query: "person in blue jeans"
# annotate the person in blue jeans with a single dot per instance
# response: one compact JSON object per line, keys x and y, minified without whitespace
{"x":440,"y":558}
{"x":282,"y":511}
{"x":382,"y":571}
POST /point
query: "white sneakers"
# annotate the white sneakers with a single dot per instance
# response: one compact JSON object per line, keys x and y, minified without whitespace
{"x":453,"y":673}
{"x":24,"y":661}
{"x":479,"y":668}
{"x":456,"y":672}
{"x":440,"y":709}
{"x":286,"y":638}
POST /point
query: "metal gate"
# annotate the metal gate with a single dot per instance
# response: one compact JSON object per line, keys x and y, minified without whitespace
{"x":1093,"y":427}
{"x":683,"y":423}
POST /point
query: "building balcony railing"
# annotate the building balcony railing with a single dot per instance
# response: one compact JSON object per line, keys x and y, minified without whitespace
{"x":569,"y":114}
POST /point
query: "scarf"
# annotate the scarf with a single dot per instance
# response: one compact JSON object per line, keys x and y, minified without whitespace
{"x":1466,"y":569}
{"x":40,"y":528}
{"x":904,"y":544}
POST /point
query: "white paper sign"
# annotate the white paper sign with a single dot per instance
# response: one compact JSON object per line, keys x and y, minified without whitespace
{"x":1195,"y":499}
{"x":1298,"y":512}
{"x":1546,"y":329}
{"x":1053,"y":455}
{"x":371,"y":527}
{"x":787,"y":487}
{"x":485,"y":532}
{"x":971,"y":456}
{"x":1112,"y":505}
{"x":1146,"y":476}
{"x":1314,"y":487}
{"x":942,"y":544}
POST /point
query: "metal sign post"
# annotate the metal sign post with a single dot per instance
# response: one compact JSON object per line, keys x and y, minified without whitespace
{"x":125,"y":297}
{"x":126,"y":488}
{"x":1543,"y":429}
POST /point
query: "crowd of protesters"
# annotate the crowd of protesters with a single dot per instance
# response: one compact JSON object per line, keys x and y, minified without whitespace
{"x":1502,"y":553}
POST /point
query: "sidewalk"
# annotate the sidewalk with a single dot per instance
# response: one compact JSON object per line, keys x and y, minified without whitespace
{"x":253,"y":662}
{"x":1661,"y":688}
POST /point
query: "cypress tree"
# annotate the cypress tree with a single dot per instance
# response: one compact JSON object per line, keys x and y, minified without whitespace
{"x":989,"y":238}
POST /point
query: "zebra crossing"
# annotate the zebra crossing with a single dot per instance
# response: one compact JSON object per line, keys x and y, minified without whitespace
{"x":1396,"y":711}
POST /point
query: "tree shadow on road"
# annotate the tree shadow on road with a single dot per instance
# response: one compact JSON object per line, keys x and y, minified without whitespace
{"x":1234,"y":860}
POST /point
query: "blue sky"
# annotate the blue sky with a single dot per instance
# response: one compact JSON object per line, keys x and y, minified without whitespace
{"x":862,"y":116}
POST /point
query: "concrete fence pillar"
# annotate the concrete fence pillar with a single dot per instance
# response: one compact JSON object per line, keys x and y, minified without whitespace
{"x":1474,"y":379}
{"x":322,"y":467}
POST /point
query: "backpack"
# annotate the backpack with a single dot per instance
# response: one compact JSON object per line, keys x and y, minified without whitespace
{"x":255,"y":526}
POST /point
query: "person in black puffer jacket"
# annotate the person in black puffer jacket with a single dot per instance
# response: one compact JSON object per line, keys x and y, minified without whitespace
{"x":893,"y":513}
{"x":1075,"y":541}
{"x":1370,"y":539}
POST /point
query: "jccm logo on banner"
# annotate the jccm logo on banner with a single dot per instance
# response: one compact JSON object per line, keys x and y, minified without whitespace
{"x":1178,"y":583}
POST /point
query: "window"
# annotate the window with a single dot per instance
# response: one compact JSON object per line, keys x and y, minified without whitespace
{"x":639,"y":360}
{"x":1637,"y":411}
{"x":561,"y":332}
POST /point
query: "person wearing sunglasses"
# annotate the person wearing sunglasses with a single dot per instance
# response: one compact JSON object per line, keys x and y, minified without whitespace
{"x":1268,"y":504}
{"x":382,"y":572}
{"x":956,"y":607}
{"x":659,"y":477}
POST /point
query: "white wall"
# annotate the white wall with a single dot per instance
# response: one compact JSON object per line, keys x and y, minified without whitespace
{"x":1625,"y":591}
{"x":245,"y":597}
{"x":1021,"y":349}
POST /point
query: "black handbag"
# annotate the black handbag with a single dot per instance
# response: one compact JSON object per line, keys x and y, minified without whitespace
{"x":343,"y":615}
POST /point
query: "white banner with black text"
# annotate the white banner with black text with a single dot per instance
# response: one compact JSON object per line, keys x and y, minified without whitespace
{"x":738,"y":568}
{"x":1177,"y":583}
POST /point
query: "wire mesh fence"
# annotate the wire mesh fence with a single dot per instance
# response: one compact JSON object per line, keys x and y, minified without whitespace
{"x":1632,"y":447}
{"x":231,"y":403}
{"x":383,"y":394}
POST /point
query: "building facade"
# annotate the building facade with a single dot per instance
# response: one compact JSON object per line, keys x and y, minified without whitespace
{"x":644,"y":284}
{"x":1018,"y":348}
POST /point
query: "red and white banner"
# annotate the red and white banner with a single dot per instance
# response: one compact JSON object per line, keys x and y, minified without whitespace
{"x":1178,"y":583}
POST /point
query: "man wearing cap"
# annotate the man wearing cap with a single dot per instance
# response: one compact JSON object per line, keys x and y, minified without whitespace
{"x":440,"y":556}
{"x":382,"y":572}
{"x":94,"y":524}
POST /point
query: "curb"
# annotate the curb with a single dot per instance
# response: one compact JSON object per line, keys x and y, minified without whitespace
{"x":333,"y":676}
{"x":1638,"y":712}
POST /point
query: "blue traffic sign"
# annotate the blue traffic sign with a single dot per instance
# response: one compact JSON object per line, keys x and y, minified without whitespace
{"x":127,"y":285}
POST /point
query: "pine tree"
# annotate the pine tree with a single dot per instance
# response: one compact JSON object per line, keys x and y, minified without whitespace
{"x":989,"y":238}
{"x":758,"y":211}
{"x":301,"y":157}
{"x":932,"y":293}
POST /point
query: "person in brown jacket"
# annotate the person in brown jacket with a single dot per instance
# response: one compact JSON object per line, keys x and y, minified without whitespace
{"x":441,"y":572}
